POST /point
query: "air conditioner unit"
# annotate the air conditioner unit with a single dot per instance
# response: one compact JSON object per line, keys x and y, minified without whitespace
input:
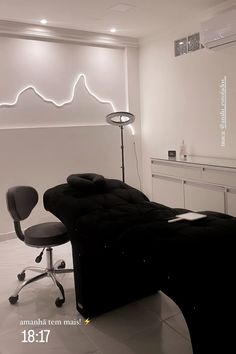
{"x":219,"y":30}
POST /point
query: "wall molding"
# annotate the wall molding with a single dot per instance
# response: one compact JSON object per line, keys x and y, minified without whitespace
{"x":7,"y":236}
{"x":47,"y":33}
{"x":59,"y":126}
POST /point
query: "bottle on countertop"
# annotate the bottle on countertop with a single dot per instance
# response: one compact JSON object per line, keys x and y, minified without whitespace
{"x":183,"y":151}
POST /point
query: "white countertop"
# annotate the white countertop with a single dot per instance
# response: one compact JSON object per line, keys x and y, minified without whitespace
{"x":202,"y":160}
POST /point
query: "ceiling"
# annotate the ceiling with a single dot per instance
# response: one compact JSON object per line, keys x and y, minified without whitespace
{"x":134,"y":18}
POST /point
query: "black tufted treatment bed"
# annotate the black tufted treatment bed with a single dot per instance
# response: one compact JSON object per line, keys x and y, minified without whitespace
{"x":124,"y":249}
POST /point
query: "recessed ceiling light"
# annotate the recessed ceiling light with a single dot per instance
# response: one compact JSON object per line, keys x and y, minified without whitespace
{"x":113,"y":30}
{"x":181,"y":43}
{"x":43,"y":21}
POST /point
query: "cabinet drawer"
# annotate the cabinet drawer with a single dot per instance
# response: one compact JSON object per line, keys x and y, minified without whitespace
{"x":231,"y":202}
{"x":200,"y":197}
{"x":222,"y":177}
{"x":167,"y":191}
{"x":176,"y":170}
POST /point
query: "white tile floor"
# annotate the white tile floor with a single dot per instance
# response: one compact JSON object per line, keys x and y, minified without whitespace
{"x":153,"y":325}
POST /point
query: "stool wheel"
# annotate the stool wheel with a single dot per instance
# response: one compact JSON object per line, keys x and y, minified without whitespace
{"x":21,"y":276}
{"x":13,"y":299}
{"x":59,"y":302}
{"x":62,"y":265}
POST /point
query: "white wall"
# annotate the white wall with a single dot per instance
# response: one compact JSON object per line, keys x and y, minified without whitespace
{"x":44,"y":157}
{"x":41,"y":144}
{"x":180,"y":99}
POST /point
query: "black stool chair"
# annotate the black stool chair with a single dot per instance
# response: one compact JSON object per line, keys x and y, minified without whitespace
{"x":20,"y":202}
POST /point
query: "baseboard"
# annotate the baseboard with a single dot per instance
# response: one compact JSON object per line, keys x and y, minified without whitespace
{"x":8,"y":236}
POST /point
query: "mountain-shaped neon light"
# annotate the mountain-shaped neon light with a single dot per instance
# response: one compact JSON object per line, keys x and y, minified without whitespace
{"x":65,"y":102}
{"x":58,"y":104}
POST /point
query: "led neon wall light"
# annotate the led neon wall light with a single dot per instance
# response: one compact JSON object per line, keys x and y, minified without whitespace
{"x":63,"y":103}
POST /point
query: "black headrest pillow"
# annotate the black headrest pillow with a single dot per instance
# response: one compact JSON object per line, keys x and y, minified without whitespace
{"x":86,"y":181}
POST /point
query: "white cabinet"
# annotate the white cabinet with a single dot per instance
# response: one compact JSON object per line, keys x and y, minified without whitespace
{"x":195,"y":184}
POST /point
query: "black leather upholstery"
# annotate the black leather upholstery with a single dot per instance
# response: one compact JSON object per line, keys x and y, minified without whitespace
{"x":20,"y":201}
{"x":46,"y":234}
{"x":124,"y":248}
{"x":87,"y":181}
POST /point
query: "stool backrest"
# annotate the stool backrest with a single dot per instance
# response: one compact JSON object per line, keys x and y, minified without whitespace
{"x":20,"y":201}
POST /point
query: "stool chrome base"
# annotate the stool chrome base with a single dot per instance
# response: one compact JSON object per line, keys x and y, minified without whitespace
{"x":50,"y":271}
